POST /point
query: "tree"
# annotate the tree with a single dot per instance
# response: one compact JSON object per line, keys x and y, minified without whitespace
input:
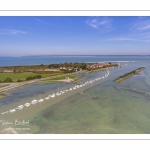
{"x":39,"y":76}
{"x":14,"y":71}
{"x":8,"y":79}
{"x":29,"y":78}
{"x":19,"y":80}
{"x":83,"y":66}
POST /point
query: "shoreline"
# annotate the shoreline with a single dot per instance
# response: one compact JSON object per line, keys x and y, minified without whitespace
{"x":10,"y":87}
{"x":51,"y":101}
{"x":16,"y":85}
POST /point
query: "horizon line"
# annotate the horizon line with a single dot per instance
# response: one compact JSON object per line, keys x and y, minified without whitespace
{"x":79,"y":55}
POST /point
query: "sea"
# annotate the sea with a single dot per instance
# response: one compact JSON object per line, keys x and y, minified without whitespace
{"x":102,"y":107}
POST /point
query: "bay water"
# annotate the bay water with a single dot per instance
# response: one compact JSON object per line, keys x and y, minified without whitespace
{"x":103,"y":107}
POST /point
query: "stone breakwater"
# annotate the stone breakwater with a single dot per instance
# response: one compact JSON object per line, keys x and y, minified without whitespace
{"x":129,"y":74}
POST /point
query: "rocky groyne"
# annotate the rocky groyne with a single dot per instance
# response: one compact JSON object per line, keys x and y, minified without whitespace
{"x":129,"y":74}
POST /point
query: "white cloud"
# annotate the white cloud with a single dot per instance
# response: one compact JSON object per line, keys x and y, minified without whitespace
{"x":11,"y":32}
{"x":142,"y":25}
{"x":137,"y":20}
{"x":122,"y":39}
{"x":99,"y":22}
{"x":128,"y":39}
{"x":39,"y":20}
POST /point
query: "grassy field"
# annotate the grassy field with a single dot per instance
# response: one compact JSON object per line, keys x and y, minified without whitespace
{"x":24,"y":75}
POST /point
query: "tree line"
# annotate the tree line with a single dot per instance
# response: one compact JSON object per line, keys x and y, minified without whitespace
{"x":67,"y":65}
{"x":8,"y":79}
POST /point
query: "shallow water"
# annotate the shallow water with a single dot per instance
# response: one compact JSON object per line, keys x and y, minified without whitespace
{"x":101,"y":107}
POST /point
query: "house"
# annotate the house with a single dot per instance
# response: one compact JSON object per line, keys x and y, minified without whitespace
{"x":8,"y":71}
{"x":97,"y":65}
{"x":75,"y":69}
{"x":70,"y":68}
{"x":63,"y":68}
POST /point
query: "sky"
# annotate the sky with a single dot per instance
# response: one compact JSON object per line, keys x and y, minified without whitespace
{"x":74,"y":35}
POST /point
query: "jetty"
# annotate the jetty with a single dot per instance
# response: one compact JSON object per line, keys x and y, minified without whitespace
{"x":129,"y":74}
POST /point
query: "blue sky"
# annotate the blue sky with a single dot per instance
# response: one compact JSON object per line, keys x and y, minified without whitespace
{"x":20,"y":36}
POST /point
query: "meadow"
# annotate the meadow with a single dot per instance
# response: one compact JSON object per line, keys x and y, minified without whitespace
{"x":23,"y":75}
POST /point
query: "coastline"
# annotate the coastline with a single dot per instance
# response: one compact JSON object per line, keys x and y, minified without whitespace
{"x":109,"y":98}
{"x":6,"y":87}
{"x":50,"y":102}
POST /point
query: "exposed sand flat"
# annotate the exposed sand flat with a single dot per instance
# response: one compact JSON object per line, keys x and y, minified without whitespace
{"x":3,"y":85}
{"x":66,"y":80}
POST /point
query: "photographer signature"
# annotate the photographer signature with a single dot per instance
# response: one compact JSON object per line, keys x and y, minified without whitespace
{"x":15,"y":123}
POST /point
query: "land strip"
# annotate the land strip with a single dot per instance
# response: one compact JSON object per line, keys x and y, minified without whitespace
{"x":19,"y":84}
{"x":129,"y":74}
{"x":20,"y":74}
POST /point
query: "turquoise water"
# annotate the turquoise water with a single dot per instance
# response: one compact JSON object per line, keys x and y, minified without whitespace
{"x":103,"y":107}
{"x":37,"y":60}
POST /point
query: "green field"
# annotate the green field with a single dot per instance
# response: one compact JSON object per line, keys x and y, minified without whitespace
{"x":24,"y":75}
